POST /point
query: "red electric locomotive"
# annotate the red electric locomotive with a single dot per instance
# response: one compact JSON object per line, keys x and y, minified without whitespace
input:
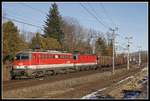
{"x":33,"y":64}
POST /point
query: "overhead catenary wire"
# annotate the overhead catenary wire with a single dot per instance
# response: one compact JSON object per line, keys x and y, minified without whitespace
{"x":16,"y":20}
{"x":38,"y":10}
{"x":106,"y":13}
{"x":20,"y":15}
{"x":15,"y":17}
{"x":33,"y":8}
{"x":94,"y":16}
{"x":94,"y":11}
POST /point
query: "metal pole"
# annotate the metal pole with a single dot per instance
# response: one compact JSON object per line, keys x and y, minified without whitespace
{"x":113,"y":39}
{"x":128,"y":38}
{"x":139,"y":56}
{"x":113,"y":52}
{"x":93,"y":46}
{"x":128,"y":58}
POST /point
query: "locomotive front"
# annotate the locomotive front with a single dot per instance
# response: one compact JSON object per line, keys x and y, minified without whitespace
{"x":21,"y":64}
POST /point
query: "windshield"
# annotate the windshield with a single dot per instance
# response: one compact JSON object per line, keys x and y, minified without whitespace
{"x":23,"y":56}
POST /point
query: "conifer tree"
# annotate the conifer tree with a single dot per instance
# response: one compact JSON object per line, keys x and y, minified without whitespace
{"x":53,"y":24}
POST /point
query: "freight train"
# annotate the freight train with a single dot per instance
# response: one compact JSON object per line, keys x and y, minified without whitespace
{"x":31,"y":64}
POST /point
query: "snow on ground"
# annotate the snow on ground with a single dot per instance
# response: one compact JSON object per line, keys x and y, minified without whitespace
{"x":92,"y":95}
{"x":129,"y":95}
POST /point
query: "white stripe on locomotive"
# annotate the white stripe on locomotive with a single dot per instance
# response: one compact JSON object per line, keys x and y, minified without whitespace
{"x":53,"y":66}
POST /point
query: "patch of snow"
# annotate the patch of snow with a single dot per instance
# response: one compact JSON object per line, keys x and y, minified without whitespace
{"x":125,"y":79}
{"x":102,"y":89}
{"x":92,"y":95}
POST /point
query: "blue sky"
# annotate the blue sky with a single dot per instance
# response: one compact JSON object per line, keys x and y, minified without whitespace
{"x":130,"y":18}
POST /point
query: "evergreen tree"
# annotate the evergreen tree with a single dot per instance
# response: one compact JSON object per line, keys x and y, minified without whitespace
{"x":53,"y":24}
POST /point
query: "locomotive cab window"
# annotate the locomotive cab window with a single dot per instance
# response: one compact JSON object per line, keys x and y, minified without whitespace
{"x":23,"y":56}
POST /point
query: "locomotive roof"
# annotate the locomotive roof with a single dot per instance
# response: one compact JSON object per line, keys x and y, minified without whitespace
{"x":51,"y":52}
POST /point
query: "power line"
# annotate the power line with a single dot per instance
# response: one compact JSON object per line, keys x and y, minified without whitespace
{"x":93,"y":15}
{"x":106,"y":13}
{"x":10,"y":11}
{"x":38,"y":10}
{"x":33,"y":8}
{"x":96,"y":13}
{"x":14,"y":17}
{"x":16,"y":20}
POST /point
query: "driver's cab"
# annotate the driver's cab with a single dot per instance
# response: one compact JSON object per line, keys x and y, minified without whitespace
{"x":23,"y":56}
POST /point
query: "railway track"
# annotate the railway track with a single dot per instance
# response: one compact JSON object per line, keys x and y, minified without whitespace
{"x":15,"y":84}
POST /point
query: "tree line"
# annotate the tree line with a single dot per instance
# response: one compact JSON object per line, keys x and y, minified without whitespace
{"x":60,"y":33}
